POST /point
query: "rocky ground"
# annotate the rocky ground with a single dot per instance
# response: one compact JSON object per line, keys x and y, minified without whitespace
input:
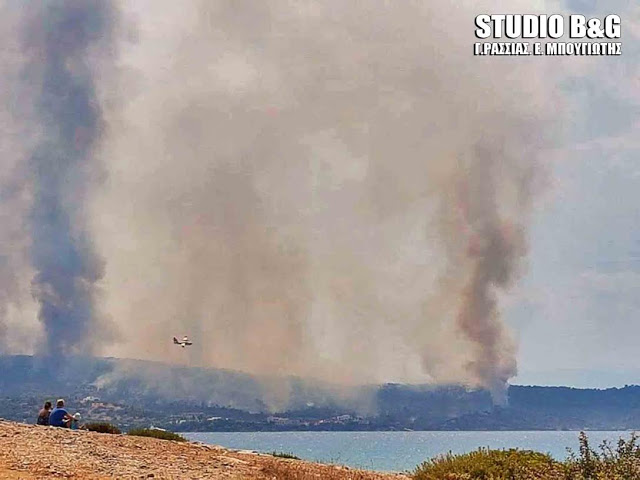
{"x":34,"y":452}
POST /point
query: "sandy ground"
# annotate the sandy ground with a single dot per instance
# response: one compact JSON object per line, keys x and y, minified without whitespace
{"x":33,"y":452}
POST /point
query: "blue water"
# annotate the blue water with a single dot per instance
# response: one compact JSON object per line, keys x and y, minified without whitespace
{"x":395,"y":451}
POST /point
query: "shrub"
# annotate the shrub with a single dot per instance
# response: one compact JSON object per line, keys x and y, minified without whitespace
{"x":285,"y":455}
{"x":608,"y":462}
{"x":102,"y":427}
{"x":621,"y":462}
{"x":485,"y":464}
{"x":161,"y":434}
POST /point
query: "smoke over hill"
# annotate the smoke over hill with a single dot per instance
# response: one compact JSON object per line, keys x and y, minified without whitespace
{"x":338,"y":192}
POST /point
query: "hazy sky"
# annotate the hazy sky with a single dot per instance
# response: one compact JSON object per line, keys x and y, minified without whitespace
{"x":577,"y":313}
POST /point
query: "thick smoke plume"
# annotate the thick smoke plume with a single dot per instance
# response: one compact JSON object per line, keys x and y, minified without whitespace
{"x":322,"y":189}
{"x":319,"y":189}
{"x":491,"y":246}
{"x":58,"y":38}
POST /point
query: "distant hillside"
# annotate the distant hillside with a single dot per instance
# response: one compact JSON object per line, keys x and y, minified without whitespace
{"x":144,"y":382}
{"x":580,"y":378}
{"x":135,"y":393}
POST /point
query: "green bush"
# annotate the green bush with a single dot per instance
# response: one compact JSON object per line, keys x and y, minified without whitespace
{"x":161,"y":434}
{"x":608,"y":462}
{"x":101,"y":427}
{"x":285,"y":455}
{"x":485,"y":464}
{"x":619,"y":462}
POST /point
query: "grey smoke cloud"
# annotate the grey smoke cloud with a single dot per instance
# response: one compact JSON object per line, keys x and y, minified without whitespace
{"x":62,"y":121}
{"x":18,"y":322}
{"x":328,"y":190}
{"x":336,"y":191}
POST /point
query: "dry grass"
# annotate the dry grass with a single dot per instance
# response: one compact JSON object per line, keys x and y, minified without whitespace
{"x":297,"y":470}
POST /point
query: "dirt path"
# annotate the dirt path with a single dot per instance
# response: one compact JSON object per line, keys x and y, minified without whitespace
{"x":32,"y":452}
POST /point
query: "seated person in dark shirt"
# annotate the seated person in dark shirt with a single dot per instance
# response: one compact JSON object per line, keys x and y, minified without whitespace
{"x":59,"y":416}
{"x":43,"y":416}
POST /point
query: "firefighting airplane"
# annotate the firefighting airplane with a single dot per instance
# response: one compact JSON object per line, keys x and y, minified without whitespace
{"x":183,"y":343}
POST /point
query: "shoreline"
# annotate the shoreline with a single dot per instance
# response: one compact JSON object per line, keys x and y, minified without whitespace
{"x":31,"y":451}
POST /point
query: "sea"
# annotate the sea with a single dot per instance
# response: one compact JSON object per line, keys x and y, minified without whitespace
{"x":396,"y":451}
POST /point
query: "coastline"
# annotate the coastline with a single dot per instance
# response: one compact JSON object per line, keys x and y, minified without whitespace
{"x":34,"y":452}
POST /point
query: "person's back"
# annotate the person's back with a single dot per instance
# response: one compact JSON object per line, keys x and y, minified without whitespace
{"x":56,"y":419}
{"x":59,"y":416}
{"x":43,"y":415}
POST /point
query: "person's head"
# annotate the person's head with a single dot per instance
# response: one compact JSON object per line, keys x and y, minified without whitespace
{"x":60,"y":403}
{"x":47,"y":405}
